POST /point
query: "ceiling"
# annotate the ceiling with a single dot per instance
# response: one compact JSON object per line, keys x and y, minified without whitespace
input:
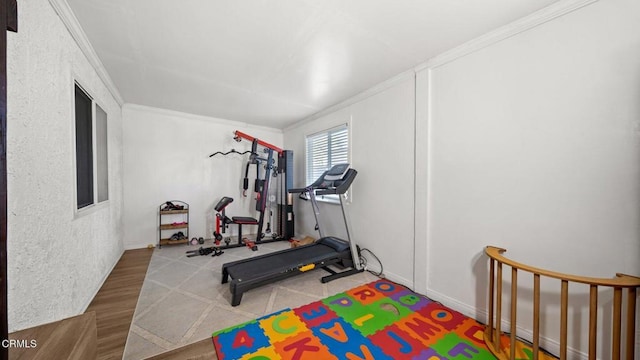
{"x":272,"y":63}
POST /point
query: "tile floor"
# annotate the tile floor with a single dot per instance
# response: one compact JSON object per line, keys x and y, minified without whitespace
{"x":182,"y":300}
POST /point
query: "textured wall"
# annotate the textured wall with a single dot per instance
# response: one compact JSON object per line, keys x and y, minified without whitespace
{"x":56,"y":261}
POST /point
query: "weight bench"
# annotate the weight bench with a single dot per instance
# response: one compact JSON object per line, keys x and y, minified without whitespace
{"x":223,"y":221}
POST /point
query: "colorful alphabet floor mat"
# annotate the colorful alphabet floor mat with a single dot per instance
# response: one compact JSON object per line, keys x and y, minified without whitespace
{"x":379,"y":320}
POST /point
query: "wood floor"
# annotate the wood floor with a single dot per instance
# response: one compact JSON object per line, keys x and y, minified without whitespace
{"x":74,"y":338}
{"x":116,"y":301}
{"x":102,"y":331}
{"x":115,"y":304}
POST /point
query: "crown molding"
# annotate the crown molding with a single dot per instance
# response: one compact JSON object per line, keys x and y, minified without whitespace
{"x":190,"y":116}
{"x":541,"y":16}
{"x":526,"y":23}
{"x":61,"y":7}
{"x":380,"y":87}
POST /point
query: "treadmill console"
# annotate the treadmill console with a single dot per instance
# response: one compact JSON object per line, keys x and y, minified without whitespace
{"x":333,"y":181}
{"x":331,"y":177}
{"x":337,"y":172}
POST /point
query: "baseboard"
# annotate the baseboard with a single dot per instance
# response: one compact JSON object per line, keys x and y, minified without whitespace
{"x":396,"y":278}
{"x":138,"y":246}
{"x":481,"y":315}
{"x":104,"y":278}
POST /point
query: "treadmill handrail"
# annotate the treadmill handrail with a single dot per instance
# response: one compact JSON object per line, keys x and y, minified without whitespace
{"x":300,"y":190}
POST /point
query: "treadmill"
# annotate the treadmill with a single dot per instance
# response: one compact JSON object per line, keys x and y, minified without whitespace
{"x":254,"y":272}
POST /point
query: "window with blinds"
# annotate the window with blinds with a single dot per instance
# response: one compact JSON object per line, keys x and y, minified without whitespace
{"x":325,"y":149}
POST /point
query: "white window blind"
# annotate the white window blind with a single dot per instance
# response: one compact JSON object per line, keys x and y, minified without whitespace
{"x":325,"y":149}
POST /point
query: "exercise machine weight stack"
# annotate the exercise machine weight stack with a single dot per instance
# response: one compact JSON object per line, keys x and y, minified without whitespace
{"x":283,"y":172}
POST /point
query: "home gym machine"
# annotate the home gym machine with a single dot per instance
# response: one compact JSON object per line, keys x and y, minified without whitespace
{"x":328,"y":250}
{"x":282,"y":171}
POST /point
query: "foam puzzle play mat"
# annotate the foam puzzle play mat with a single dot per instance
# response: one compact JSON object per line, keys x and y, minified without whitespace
{"x":379,"y":320}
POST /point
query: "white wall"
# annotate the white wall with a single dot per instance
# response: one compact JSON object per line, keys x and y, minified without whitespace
{"x":528,"y":141}
{"x":166,"y":157}
{"x":56,"y":262}
{"x":382,"y":150}
{"x":534,"y":146}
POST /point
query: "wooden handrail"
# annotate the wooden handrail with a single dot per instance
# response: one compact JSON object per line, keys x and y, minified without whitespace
{"x":618,"y":284}
{"x":621,"y":280}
